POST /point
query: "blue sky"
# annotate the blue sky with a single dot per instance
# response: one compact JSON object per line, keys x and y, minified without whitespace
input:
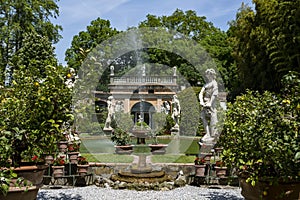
{"x":76,"y":15}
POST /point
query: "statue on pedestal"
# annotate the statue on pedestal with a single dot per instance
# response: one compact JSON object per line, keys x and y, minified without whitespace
{"x":176,"y":109}
{"x":111,"y":113}
{"x":208,"y":100}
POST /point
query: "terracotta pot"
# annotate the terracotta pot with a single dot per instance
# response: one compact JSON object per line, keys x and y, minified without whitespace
{"x":221,"y":171}
{"x":73,"y":147}
{"x":58,"y":171}
{"x":158,"y":148}
{"x":16,"y":193}
{"x":265,"y":191}
{"x":207,"y":157}
{"x":63,"y":146}
{"x":82,"y":169}
{"x":126,"y":149}
{"x":73,"y":157}
{"x":49,"y":159}
{"x":218,"y":150}
{"x":33,"y":173}
{"x":200,"y":170}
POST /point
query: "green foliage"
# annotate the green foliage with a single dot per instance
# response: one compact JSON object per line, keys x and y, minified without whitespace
{"x":123,"y":121}
{"x":120,"y":137}
{"x":209,"y":39}
{"x":82,"y":160}
{"x":21,"y":17}
{"x":190,"y":112}
{"x":32,"y":113}
{"x":121,"y":125}
{"x":261,"y":133}
{"x":92,"y":128}
{"x":195,"y":27}
{"x":36,"y":53}
{"x":266,"y":43}
{"x":34,"y":108}
{"x":162,"y":123}
{"x":6,"y":176}
{"x":98,"y":31}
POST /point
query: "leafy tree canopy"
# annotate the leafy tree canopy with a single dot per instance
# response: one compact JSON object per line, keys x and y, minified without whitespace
{"x":18,"y":17}
{"x":212,"y":39}
{"x":195,"y":27}
{"x":266,"y":43}
{"x":98,"y":31}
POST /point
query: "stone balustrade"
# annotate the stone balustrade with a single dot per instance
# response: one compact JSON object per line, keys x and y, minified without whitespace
{"x":143,"y":79}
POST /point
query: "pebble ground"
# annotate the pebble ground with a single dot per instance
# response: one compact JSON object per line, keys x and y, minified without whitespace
{"x":183,"y":193}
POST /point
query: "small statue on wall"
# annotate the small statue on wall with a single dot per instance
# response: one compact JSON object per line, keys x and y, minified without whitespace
{"x":112,"y":70}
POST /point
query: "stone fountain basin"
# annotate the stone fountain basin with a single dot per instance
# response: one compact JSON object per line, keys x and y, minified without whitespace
{"x":140,"y":133}
{"x":151,"y":177}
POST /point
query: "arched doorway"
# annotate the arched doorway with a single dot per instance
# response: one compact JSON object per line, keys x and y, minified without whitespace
{"x":143,"y":109}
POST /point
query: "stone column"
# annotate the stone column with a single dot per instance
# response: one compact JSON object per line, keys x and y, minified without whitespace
{"x":126,"y":105}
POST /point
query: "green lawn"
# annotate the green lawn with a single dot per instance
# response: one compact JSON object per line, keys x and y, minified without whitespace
{"x":98,"y":149}
{"x":115,"y":158}
{"x":108,"y":158}
{"x":187,"y":146}
{"x":172,"y":159}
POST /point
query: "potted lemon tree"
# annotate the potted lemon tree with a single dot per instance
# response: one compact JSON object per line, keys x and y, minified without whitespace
{"x":261,"y":138}
{"x":32,"y":110}
{"x":120,"y":134}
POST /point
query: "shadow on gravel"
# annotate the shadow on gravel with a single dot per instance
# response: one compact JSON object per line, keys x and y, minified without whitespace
{"x":223,"y":196}
{"x":59,"y":196}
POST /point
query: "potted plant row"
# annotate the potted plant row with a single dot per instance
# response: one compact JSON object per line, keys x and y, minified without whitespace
{"x":59,"y":164}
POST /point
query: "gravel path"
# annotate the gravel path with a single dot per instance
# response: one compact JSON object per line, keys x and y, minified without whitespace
{"x":184,"y":193}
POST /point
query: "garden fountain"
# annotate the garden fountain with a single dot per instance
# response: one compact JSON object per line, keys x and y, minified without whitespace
{"x":141,"y":169}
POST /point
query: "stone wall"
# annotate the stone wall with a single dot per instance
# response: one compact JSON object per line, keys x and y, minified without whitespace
{"x":107,"y":169}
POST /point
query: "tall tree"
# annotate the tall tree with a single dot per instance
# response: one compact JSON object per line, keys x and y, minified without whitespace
{"x":267,"y":43}
{"x":18,"y":17}
{"x":191,"y":26}
{"x":98,"y":31}
{"x":36,"y":53}
{"x":195,"y":27}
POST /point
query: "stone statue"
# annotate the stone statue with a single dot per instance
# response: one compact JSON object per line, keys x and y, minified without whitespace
{"x":174,"y":71}
{"x":119,"y":106}
{"x":166,"y":107}
{"x":176,"y":111}
{"x":112,"y":68}
{"x":144,"y":70}
{"x":208,"y":100}
{"x":140,"y":119}
{"x":162,"y":108}
{"x":111,"y":112}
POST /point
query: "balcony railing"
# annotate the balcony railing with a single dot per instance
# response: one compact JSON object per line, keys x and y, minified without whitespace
{"x":143,"y":79}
